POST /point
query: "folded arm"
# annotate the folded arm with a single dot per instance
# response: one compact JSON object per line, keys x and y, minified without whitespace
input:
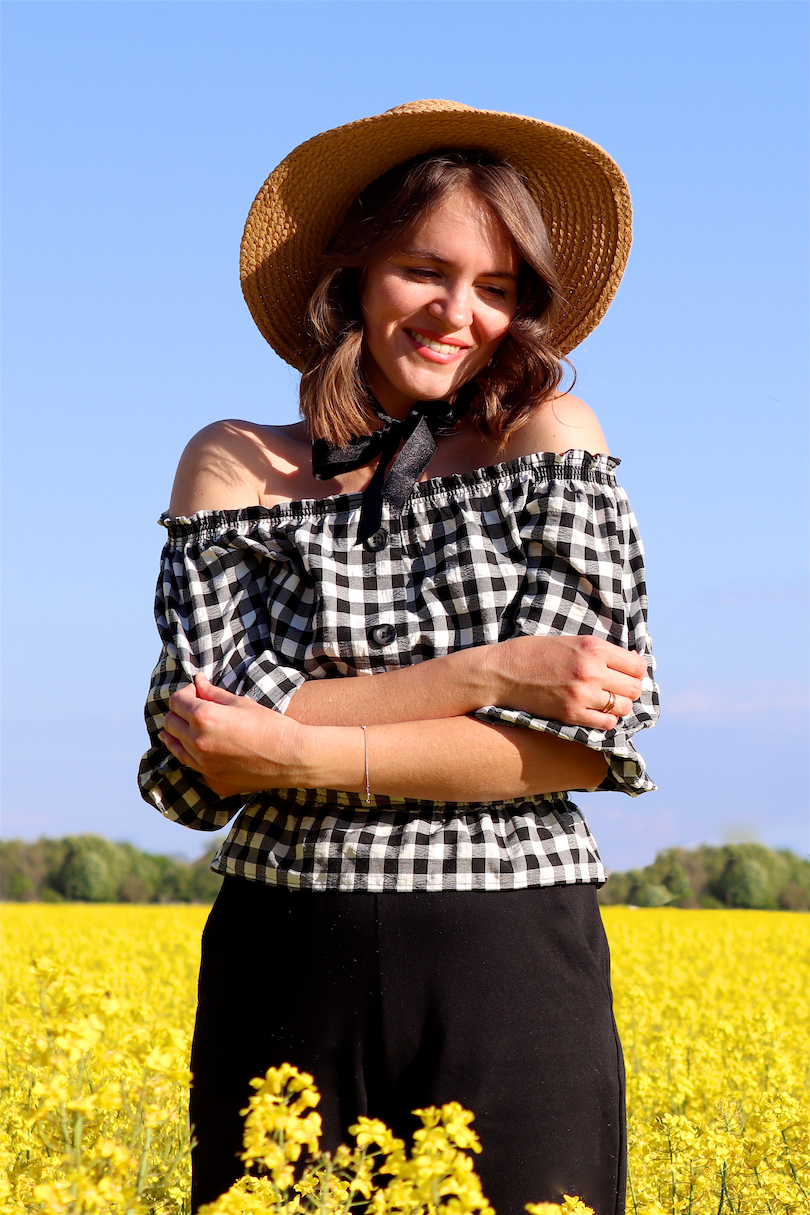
{"x":238,"y":746}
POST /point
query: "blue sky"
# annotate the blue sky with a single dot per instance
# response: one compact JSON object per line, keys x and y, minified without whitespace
{"x":135,"y":136}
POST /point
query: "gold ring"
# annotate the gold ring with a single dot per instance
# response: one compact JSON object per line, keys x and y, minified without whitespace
{"x":611,"y":703}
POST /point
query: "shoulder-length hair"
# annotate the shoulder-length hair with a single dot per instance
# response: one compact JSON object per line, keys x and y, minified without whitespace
{"x":336,"y":400}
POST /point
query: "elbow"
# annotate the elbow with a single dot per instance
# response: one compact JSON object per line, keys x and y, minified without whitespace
{"x":572,"y":766}
{"x":596,"y":768}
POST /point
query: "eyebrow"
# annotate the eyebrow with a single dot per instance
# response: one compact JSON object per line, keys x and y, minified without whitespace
{"x":429,"y":256}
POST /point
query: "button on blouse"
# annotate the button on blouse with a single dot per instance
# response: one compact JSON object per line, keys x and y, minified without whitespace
{"x":382,"y":634}
{"x":376,"y":540}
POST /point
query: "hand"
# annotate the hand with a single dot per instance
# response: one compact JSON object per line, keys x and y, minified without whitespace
{"x":236,"y":745}
{"x":567,"y":679}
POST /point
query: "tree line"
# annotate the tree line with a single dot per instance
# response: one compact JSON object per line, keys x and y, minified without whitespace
{"x":92,"y":869}
{"x":737,"y":875}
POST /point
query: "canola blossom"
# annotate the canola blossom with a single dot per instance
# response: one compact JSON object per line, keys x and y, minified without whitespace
{"x":98,"y":1009}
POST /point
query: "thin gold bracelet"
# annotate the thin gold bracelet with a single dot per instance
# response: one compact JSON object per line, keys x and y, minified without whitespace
{"x":365,"y":749}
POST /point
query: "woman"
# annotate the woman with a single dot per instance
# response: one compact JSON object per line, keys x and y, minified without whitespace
{"x":409,"y":908}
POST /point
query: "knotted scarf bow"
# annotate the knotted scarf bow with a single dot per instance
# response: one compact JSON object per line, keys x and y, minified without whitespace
{"x":426,"y":419}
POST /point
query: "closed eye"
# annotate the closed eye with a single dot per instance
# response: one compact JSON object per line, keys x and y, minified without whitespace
{"x":422,"y":272}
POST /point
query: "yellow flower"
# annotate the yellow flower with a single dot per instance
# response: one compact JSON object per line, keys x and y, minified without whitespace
{"x":370,"y":1130}
{"x":712,"y":1009}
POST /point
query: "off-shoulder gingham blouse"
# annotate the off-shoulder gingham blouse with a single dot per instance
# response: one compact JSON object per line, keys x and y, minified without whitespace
{"x":261,"y":599}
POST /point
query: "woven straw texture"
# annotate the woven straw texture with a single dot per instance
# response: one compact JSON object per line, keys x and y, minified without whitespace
{"x":582,"y":194}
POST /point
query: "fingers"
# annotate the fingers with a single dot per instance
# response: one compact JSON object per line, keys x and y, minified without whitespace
{"x":592,"y":719}
{"x":177,"y":749}
{"x":178,"y":726}
{"x":209,"y":691}
{"x":626,"y":669}
{"x":623,"y":705}
{"x":623,"y":687}
{"x":619,"y":706}
{"x":629,"y":662}
{"x":609,"y":704}
{"x":182,"y":701}
{"x":178,"y":734}
{"x":185,"y":700}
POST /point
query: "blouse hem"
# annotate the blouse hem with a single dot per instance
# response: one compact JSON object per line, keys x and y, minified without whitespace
{"x":337,"y":884}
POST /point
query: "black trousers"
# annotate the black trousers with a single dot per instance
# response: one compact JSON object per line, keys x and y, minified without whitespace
{"x":498,"y":1000}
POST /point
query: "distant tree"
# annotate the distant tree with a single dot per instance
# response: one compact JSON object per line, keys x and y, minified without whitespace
{"x":24,"y":869}
{"x":746,"y":882}
{"x":92,"y":869}
{"x":205,"y":884}
{"x":665,"y":881}
{"x":737,"y":875}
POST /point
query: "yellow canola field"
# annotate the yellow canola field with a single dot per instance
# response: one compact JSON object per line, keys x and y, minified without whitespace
{"x":99,"y":1000}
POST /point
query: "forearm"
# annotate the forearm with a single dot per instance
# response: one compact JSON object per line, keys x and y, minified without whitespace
{"x":456,"y":759}
{"x":566,"y":679}
{"x":449,"y":686}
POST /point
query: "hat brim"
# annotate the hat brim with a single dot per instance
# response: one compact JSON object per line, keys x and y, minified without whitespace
{"x":582,"y":194}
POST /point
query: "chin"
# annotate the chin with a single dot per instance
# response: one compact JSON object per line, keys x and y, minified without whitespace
{"x":433,"y":392}
{"x":434,"y":388}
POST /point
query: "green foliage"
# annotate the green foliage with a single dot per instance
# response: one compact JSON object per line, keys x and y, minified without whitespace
{"x":91,"y":869}
{"x":737,"y":875}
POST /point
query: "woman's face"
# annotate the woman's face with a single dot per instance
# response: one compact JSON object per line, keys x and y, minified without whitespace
{"x":435,"y":312}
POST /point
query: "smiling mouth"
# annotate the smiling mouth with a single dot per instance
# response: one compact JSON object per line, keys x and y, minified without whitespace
{"x":437,"y":347}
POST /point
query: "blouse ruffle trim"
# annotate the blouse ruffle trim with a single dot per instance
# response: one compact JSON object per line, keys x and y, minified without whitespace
{"x":573,"y":465}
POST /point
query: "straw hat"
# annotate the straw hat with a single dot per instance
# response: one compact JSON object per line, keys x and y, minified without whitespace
{"x":581,"y":192}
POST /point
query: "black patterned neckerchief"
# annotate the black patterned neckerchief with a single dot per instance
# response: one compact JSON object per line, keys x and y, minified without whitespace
{"x":425,"y":420}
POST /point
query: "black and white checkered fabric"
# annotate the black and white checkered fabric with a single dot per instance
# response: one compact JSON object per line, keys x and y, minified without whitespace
{"x":261,"y":599}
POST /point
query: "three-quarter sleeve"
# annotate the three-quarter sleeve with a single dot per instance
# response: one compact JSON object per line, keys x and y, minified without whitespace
{"x":220,"y":583}
{"x":585,"y":575}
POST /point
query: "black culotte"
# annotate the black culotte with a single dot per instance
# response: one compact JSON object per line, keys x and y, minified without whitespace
{"x":498,"y":1000}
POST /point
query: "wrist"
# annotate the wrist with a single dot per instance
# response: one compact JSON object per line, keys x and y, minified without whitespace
{"x":495,"y":668}
{"x":331,"y":757}
{"x":483,"y":675}
{"x":518,"y":673}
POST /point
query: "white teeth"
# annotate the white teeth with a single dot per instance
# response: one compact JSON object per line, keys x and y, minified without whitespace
{"x":439,"y":347}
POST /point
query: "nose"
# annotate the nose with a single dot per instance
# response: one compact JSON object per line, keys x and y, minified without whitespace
{"x":453,"y":306}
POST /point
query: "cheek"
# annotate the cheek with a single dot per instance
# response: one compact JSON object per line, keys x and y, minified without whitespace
{"x":494,"y":322}
{"x":385,"y":300}
{"x":496,"y":331}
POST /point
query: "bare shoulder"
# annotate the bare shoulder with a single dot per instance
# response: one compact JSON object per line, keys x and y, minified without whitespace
{"x":232,"y":464}
{"x":558,"y":425}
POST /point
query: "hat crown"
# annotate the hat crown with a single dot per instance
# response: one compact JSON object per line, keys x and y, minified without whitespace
{"x":428,"y":106}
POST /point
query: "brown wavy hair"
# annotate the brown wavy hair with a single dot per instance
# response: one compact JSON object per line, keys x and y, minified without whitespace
{"x":526,"y":369}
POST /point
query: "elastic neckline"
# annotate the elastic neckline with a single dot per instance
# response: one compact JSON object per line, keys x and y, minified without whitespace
{"x":574,"y":464}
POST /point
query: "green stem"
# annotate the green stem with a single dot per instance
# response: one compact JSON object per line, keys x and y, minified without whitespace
{"x":672,"y":1171}
{"x":632,"y":1188}
{"x":722,"y":1188}
{"x":144,"y":1161}
{"x":765,"y":1196}
{"x":138,"y":1115}
{"x":795,"y":1176}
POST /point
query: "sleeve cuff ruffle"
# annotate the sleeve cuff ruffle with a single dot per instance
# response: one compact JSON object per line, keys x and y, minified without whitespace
{"x":272,"y":686}
{"x":627,"y":770}
{"x":174,"y":791}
